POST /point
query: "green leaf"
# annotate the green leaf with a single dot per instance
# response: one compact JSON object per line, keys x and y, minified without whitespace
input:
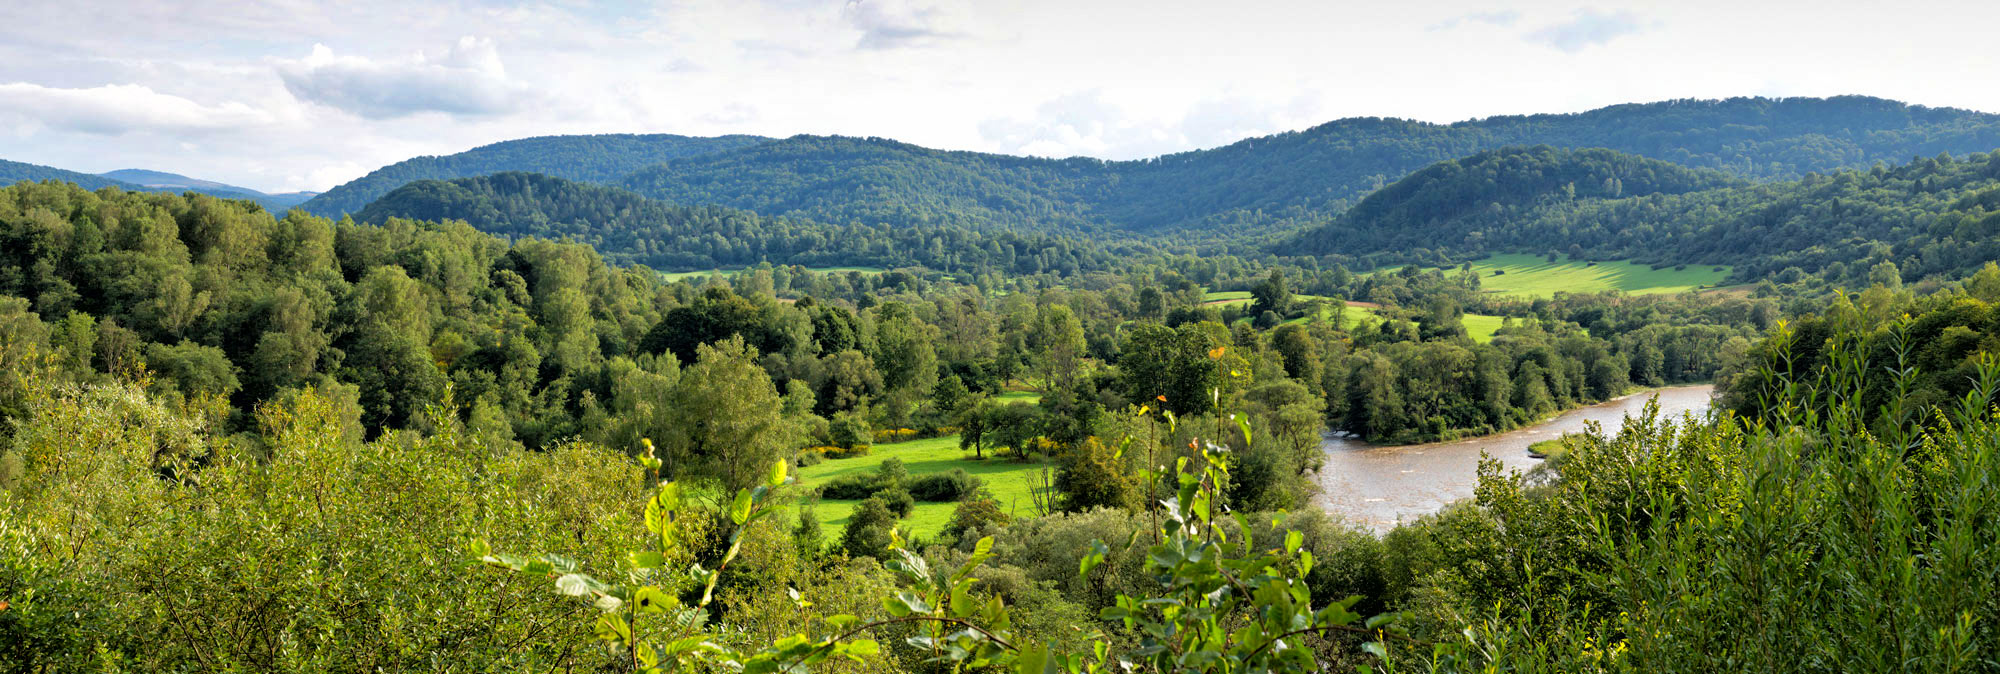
{"x":1092,"y":559}
{"x":739,"y":512}
{"x":1376,"y":648}
{"x":652,"y":599}
{"x":1243,"y":423}
{"x":777,"y":473}
{"x":913,"y":602}
{"x":1294,"y":539}
{"x":841,"y":621}
{"x":575,"y":585}
{"x":647,"y":559}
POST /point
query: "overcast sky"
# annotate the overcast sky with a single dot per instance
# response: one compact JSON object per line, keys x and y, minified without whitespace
{"x":305,"y":94}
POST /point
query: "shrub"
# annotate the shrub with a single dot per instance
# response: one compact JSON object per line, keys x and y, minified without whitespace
{"x":944,"y":487}
{"x":898,"y":499}
{"x":850,"y":487}
{"x":867,"y":532}
{"x":809,"y":456}
{"x":844,"y":452}
{"x":892,"y":472}
{"x":974,"y":515}
{"x":807,"y":535}
{"x":1090,"y":477}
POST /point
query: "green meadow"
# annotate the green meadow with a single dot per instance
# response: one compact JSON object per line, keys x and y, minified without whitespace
{"x":1010,"y":481}
{"x":1535,"y":276}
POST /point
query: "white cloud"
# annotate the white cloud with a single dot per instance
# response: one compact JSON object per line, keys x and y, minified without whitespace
{"x":1587,"y":28}
{"x":894,"y":24}
{"x":1089,"y":123}
{"x":121,"y":108}
{"x":466,"y":79}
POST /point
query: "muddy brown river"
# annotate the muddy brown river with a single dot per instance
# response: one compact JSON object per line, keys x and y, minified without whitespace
{"x":1376,"y":487}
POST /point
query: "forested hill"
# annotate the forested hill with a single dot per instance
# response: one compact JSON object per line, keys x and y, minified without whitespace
{"x":631,"y":229}
{"x":1256,"y":185}
{"x":1251,"y":188}
{"x":599,"y":158}
{"x":1929,"y":216}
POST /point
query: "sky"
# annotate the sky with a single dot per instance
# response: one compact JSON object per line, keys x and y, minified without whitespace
{"x":284,"y":95}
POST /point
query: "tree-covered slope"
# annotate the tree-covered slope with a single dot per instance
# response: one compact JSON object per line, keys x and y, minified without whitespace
{"x":1452,"y":201}
{"x":1929,"y":216}
{"x":1258,"y":185}
{"x":629,"y":228}
{"x":600,"y":158}
{"x":877,"y":180}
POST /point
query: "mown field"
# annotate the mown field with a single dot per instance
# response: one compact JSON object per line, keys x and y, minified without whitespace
{"x":1010,"y":481}
{"x":1535,"y":276}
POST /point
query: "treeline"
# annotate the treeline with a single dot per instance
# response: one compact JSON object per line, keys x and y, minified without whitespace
{"x":597,"y":158}
{"x":630,"y":229}
{"x":1931,"y":217}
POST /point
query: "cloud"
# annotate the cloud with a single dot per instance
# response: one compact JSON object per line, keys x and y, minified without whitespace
{"x":1087,"y":123}
{"x":1587,"y":28}
{"x":896,"y":24}
{"x":121,"y":108}
{"x":1502,"y":18}
{"x":467,"y":79}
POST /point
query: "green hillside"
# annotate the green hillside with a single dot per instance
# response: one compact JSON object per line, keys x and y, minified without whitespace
{"x":1253,"y":188}
{"x":601,"y":158}
{"x":1928,"y":216}
{"x":631,"y":229}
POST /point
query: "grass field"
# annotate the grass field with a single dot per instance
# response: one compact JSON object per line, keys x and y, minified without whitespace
{"x":1029,"y":397}
{"x":1535,"y":276}
{"x":1481,"y":327}
{"x":671,"y":277}
{"x":1008,"y":480}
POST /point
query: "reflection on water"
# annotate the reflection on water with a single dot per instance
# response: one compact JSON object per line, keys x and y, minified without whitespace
{"x":1378,"y":486}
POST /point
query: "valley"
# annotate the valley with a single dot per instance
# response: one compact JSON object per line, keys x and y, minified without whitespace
{"x":655,"y":402}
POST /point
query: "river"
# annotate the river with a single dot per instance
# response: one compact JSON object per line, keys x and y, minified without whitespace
{"x":1376,"y":487}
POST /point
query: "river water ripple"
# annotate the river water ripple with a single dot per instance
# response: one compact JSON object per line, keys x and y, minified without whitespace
{"x":1376,"y":487}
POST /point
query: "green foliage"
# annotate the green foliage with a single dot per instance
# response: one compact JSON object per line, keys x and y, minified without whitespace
{"x":631,"y":229}
{"x":305,"y":540}
{"x":727,"y":422}
{"x":1094,"y":476}
{"x":975,"y":514}
{"x":870,"y":530}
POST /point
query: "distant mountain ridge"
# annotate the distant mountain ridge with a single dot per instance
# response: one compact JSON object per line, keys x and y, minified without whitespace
{"x":143,"y":180}
{"x":161,"y":180}
{"x":1254,"y":189}
{"x":595,"y":158}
